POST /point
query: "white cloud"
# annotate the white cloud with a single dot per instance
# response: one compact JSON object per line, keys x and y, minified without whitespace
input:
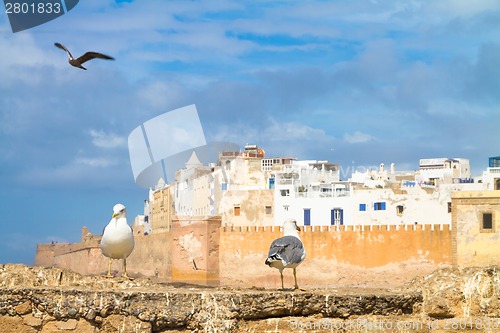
{"x":160,"y":95}
{"x":81,"y":172}
{"x":105,"y":140}
{"x":274,"y":131}
{"x":291,"y":131}
{"x":95,"y":162}
{"x":358,"y":137}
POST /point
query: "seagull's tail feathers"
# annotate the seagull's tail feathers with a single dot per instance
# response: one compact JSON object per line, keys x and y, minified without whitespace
{"x":272,"y":258}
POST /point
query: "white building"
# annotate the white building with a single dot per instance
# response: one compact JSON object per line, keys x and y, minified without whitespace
{"x":247,"y":189}
{"x":435,"y":171}
{"x":143,"y":220}
{"x":315,"y":196}
{"x":237,"y":187}
{"x":191,"y":189}
{"x":491,"y":177}
{"x":312,"y":193}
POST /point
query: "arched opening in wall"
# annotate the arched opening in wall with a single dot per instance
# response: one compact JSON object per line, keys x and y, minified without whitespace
{"x":497,"y":184}
{"x":228,"y":165}
{"x":399,"y":210}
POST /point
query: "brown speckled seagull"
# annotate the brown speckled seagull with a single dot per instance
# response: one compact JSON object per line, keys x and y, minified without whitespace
{"x":77,"y":62}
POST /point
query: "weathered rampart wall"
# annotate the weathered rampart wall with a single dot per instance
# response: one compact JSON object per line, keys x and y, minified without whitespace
{"x":475,"y":245}
{"x":202,"y":252}
{"x":332,"y":252}
{"x":55,"y":300}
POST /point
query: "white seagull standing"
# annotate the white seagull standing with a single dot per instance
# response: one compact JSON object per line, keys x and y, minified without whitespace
{"x":287,"y":251}
{"x":77,"y":62}
{"x":117,"y":240}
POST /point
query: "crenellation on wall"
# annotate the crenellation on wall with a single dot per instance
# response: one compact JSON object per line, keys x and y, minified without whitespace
{"x":343,"y":228}
{"x":243,"y":253}
{"x":201,"y":251}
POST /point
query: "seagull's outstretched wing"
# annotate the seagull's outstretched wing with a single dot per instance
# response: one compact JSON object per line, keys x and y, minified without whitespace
{"x":59,"y":45}
{"x":91,"y":55}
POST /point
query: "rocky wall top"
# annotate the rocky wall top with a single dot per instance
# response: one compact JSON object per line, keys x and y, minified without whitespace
{"x":48,"y":300}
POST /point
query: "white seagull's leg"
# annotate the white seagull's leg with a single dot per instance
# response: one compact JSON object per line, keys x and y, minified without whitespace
{"x":295,"y":276}
{"x":125,"y":268}
{"x":109,"y":269}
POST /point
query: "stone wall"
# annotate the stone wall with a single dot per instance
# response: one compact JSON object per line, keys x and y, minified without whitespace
{"x":55,"y":300}
{"x":200,"y":251}
{"x":333,"y":253}
{"x":475,"y":246}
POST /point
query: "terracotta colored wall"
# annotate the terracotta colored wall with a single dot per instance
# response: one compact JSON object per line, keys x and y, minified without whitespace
{"x":189,"y":253}
{"x":151,"y":257}
{"x":329,"y":251}
{"x":195,"y":250}
{"x":200,"y":251}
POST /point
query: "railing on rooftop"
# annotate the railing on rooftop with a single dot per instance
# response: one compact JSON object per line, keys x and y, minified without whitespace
{"x":463,"y":180}
{"x":494,"y":170}
{"x":241,"y":154}
{"x":318,"y":194}
{"x":411,"y":183}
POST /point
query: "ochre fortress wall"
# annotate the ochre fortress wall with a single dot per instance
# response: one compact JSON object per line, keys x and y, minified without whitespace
{"x":200,"y":251}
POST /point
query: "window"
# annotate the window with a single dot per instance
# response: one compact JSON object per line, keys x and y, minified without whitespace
{"x":487,"y":223}
{"x":267,"y":164}
{"x":379,"y":206}
{"x":449,"y":207}
{"x":285,"y":193}
{"x":497,"y":184}
{"x":362,"y":207}
{"x":224,"y":186}
{"x":285,"y":207}
{"x":236,"y":210}
{"x":228,"y":165}
{"x":307,"y":216}
{"x":337,"y":216}
{"x":269,"y":210}
{"x":399,"y":210}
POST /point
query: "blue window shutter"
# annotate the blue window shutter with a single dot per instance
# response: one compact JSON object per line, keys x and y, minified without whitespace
{"x":341,"y":217}
{"x":362,"y":207}
{"x":382,"y":206}
{"x":307,"y":216}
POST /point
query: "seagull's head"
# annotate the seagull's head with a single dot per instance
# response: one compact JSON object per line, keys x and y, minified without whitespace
{"x":119,"y":210}
{"x":290,"y":224}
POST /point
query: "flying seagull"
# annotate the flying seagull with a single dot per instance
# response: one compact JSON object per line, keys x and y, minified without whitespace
{"x":117,"y":240}
{"x":77,"y":62}
{"x":287,"y":251}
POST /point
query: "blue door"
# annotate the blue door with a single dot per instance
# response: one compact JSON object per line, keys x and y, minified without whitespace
{"x":307,"y":216}
{"x":271,"y":183}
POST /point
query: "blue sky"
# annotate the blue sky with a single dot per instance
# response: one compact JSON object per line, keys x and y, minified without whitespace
{"x":354,"y":82}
